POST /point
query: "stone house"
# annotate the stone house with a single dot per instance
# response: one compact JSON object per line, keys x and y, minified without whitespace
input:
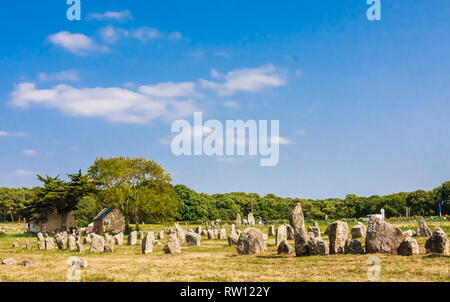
{"x":109,"y":220}
{"x":54,"y":223}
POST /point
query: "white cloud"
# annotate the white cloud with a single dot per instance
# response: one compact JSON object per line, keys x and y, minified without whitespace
{"x":145,"y":34}
{"x":232,"y":104}
{"x":300,"y":132}
{"x":24,"y":173}
{"x":14,"y":134}
{"x":111,"y":34}
{"x":249,"y":80}
{"x":169,"y":90}
{"x":109,"y":15}
{"x":63,"y":76}
{"x":111,"y":103}
{"x":280,"y":140}
{"x":76,"y":43}
{"x":29,"y":152}
{"x":222,"y":54}
{"x":175,"y":36}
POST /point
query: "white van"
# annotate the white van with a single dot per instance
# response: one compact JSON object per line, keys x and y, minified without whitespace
{"x":367,"y":218}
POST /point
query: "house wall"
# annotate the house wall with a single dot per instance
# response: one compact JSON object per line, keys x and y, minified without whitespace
{"x":116,"y":222}
{"x":54,"y":224}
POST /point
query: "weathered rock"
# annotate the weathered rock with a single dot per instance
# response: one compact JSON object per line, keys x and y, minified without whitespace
{"x":300,"y":236}
{"x":251,"y":241}
{"x":193,"y":239}
{"x":285,"y":248}
{"x":97,"y":244}
{"x":198,"y":230}
{"x":173,"y":245}
{"x":71,"y":243}
{"x":216,"y":233}
{"x":110,"y":242}
{"x":41,"y":245}
{"x":290,"y":232}
{"x":233,"y":229}
{"x":233,"y":239}
{"x":119,"y":238}
{"x":61,"y":241}
{"x":272,"y":230}
{"x":140,"y":235}
{"x":222,"y":234}
{"x":87,"y":240}
{"x":382,"y":237}
{"x":27,"y":245}
{"x":338,"y":233}
{"x":40,"y":236}
{"x":438,"y":242}
{"x":161,"y":235}
{"x":181,"y":234}
{"x":49,"y":243}
{"x":9,"y":261}
{"x":353,"y":246}
{"x":132,"y":238}
{"x":251,"y":219}
{"x":315,"y":230}
{"x":316,"y":246}
{"x":408,"y":247}
{"x":80,"y":247}
{"x":148,"y":243}
{"x":204,"y":233}
{"x":358,"y":231}
{"x":211,"y":234}
{"x":409,"y":233}
{"x":238,"y":220}
{"x":171,"y":231}
{"x":422,"y":229}
{"x":281,"y":234}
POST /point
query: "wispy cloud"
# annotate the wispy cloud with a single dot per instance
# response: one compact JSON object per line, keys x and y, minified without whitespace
{"x":112,"y":34}
{"x":29,"y":152}
{"x":249,"y":80}
{"x":62,"y":76}
{"x":120,"y":16}
{"x":24,"y":173}
{"x":76,"y":43}
{"x":12,"y":134}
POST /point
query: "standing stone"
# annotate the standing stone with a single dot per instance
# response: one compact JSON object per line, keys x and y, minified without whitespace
{"x":238,"y":220}
{"x":161,"y":235}
{"x":382,"y":237}
{"x":80,"y":247}
{"x":315,"y":230}
{"x":71,"y":243}
{"x":223,"y":234}
{"x":140,"y":235}
{"x":251,"y":241}
{"x":119,"y":238}
{"x":61,"y":241}
{"x":132,"y":238}
{"x":408,"y":247}
{"x":251,"y":219}
{"x":301,"y":237}
{"x":41,"y":245}
{"x":181,"y":234}
{"x":211,"y":234}
{"x":198,"y":230}
{"x":438,"y":242}
{"x":233,"y":229}
{"x":290,"y":232}
{"x":409,"y":233}
{"x":359,"y":231}
{"x":87,"y":240}
{"x":40,"y":236}
{"x":353,"y":246}
{"x":233,"y":239}
{"x":204,"y":233}
{"x":147,"y":243}
{"x":27,"y":245}
{"x":173,"y":245}
{"x":316,"y":246}
{"x":272,"y":231}
{"x":110,"y":242}
{"x":281,"y":234}
{"x":285,"y":248}
{"x":216,"y":233}
{"x":49,"y":243}
{"x":338,"y":233}
{"x":97,"y":244}
{"x":422,"y":229}
{"x":193,"y":239}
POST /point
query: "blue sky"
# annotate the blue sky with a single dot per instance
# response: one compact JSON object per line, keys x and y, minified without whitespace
{"x":363,"y":105}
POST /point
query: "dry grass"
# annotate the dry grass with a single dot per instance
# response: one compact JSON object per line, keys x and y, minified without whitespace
{"x":215,"y":261}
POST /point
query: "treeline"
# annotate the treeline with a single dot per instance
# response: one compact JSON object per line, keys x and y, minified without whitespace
{"x":141,"y":190}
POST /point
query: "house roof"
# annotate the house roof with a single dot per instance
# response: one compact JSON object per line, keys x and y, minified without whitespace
{"x":103,"y":214}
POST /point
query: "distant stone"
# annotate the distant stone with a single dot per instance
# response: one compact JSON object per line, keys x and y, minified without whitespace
{"x":422,"y":229}
{"x":382,"y":237}
{"x":40,"y":236}
{"x":9,"y":261}
{"x":358,"y":231}
{"x":148,"y":243}
{"x":271,"y":230}
{"x":285,"y":248}
{"x":204,"y":233}
{"x":71,"y":243}
{"x":281,"y":234}
{"x":233,"y":239}
{"x":49,"y":243}
{"x":87,"y":240}
{"x":353,"y":246}
{"x":233,"y":230}
{"x":238,"y":220}
{"x":409,"y":233}
{"x":41,"y":245}
{"x":251,"y":241}
{"x":193,"y":239}
{"x":181,"y":234}
{"x":315,"y":230}
{"x":198,"y":230}
{"x":251,"y":219}
{"x":132,"y":238}
{"x":290,"y":232}
{"x":301,"y":237}
{"x":161,"y":235}
{"x":61,"y":241}
{"x":173,"y":245}
{"x":80,"y":247}
{"x":97,"y":244}
{"x":438,"y":242}
{"x":316,"y":246}
{"x":211,"y":234}
{"x":27,"y":245}
{"x":140,"y":235}
{"x":223,"y":234}
{"x":110,"y":243}
{"x":119,"y":238}
{"x":408,"y":247}
{"x":338,"y":233}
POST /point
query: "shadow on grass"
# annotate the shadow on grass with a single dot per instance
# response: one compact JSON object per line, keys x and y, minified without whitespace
{"x":434,"y":256}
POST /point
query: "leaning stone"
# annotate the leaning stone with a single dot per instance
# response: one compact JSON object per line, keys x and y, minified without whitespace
{"x":251,"y":241}
{"x":132,"y":238}
{"x":422,"y":229}
{"x":382,"y":237}
{"x":438,"y":242}
{"x":173,"y":245}
{"x":353,"y":246}
{"x":301,"y":237}
{"x":193,"y":239}
{"x":280,"y":234}
{"x":338,"y":233}
{"x":285,"y":248}
{"x":358,"y":231}
{"x":408,"y":247}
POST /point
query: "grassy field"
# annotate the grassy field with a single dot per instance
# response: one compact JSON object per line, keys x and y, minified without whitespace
{"x":214,"y":260}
